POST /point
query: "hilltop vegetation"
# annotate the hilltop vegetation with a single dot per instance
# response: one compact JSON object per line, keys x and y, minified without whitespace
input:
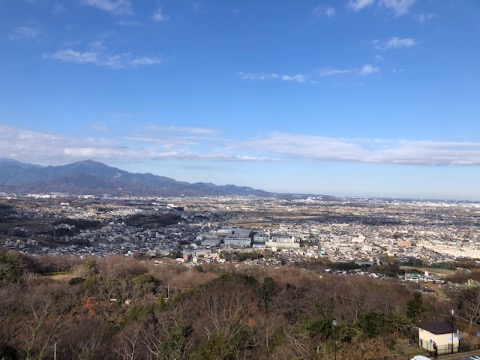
{"x":118,"y":307}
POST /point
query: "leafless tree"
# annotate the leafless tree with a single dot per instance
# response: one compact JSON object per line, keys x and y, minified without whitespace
{"x":469,"y":306}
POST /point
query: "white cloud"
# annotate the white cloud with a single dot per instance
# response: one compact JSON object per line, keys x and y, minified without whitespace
{"x":273,"y":76}
{"x":198,"y":144}
{"x":145,"y":60}
{"x":326,"y":72}
{"x":399,"y":7}
{"x":207,"y":157}
{"x":312,"y":78}
{"x":115,"y":7}
{"x":71,"y":55}
{"x":296,"y":78}
{"x":395,"y":43}
{"x":25,"y":33}
{"x":322,"y":10}
{"x":38,"y":147}
{"x":367,"y":70}
{"x":182,"y":129}
{"x":97,"y":55}
{"x":370,"y":150}
{"x":159,"y":16}
{"x":357,"y":5}
{"x":123,"y":22}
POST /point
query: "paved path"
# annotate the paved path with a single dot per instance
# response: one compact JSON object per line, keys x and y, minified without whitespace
{"x":461,"y":356}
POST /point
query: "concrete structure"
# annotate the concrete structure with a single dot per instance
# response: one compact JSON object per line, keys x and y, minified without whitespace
{"x":211,"y":242}
{"x":238,"y":241}
{"x":282,"y":245}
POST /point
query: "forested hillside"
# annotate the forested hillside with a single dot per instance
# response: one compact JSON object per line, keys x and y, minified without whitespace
{"x":124,"y":308}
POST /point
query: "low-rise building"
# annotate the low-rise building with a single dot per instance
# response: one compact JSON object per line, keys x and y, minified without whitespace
{"x":443,"y":335}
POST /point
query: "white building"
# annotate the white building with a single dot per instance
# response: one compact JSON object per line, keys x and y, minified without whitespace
{"x":443,"y":335}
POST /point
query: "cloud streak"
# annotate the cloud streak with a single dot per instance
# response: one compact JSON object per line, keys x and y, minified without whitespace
{"x":381,"y":151}
{"x":399,"y":7}
{"x":97,"y":55}
{"x":322,"y":10}
{"x":395,"y":43}
{"x":366,"y":69}
{"x":115,"y":7}
{"x":357,"y":5}
{"x":24,"y":33}
{"x":185,"y":143}
{"x":159,"y":16}
{"x":299,"y":78}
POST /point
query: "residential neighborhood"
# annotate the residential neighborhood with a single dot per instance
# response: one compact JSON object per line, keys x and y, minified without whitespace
{"x":205,"y":227}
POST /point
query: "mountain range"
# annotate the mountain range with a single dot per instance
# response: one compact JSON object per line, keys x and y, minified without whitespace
{"x":95,"y":178}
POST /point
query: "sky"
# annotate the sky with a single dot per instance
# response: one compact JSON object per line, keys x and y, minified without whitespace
{"x":368,"y":98}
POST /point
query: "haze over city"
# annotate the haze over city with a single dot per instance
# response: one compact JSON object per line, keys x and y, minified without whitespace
{"x":347,"y":98}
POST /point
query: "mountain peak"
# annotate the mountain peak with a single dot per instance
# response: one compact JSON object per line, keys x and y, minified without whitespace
{"x":88,"y":162}
{"x":92,"y":177}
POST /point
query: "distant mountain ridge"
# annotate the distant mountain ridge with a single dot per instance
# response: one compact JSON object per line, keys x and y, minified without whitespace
{"x":95,"y":178}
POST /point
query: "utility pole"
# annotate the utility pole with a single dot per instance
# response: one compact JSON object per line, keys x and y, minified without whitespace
{"x":334,"y":324}
{"x":453,"y":313}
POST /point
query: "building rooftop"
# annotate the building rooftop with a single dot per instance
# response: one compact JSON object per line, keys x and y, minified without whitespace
{"x":437,"y":328}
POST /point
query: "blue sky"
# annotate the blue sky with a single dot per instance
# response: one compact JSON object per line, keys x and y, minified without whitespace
{"x":348,"y":98}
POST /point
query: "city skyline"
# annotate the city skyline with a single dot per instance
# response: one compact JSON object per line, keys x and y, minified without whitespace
{"x":348,"y":98}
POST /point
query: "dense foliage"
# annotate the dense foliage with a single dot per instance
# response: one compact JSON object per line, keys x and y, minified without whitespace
{"x":119,"y":308}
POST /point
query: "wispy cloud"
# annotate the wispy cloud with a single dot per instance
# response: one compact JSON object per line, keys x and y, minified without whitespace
{"x":23,"y":33}
{"x":326,"y":72}
{"x":300,"y":78}
{"x":357,"y":5}
{"x":159,"y":16}
{"x":144,"y":60}
{"x":364,"y":70}
{"x":322,"y":10}
{"x":181,"y":139}
{"x":367,"y":70}
{"x":399,"y":7}
{"x":115,"y":7}
{"x":370,"y":150}
{"x":314,"y":76}
{"x":201,"y":144}
{"x":395,"y":43}
{"x":97,"y":54}
{"x":182,"y":129}
{"x":123,"y":22}
{"x":33,"y":146}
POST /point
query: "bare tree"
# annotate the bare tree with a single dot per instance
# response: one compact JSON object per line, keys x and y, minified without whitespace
{"x":84,"y":338}
{"x":42,"y":320}
{"x":469,"y":306}
{"x":10,"y":303}
{"x":129,"y":343}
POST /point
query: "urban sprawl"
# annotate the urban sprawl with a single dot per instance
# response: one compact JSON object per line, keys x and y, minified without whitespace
{"x":208,"y":229}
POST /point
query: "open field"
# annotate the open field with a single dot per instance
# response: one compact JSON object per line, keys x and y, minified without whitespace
{"x":434,"y":271}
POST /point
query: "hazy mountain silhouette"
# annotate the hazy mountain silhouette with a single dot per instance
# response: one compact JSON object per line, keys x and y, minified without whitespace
{"x":91,"y":177}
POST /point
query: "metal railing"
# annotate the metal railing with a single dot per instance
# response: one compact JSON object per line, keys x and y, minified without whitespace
{"x":442,"y":350}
